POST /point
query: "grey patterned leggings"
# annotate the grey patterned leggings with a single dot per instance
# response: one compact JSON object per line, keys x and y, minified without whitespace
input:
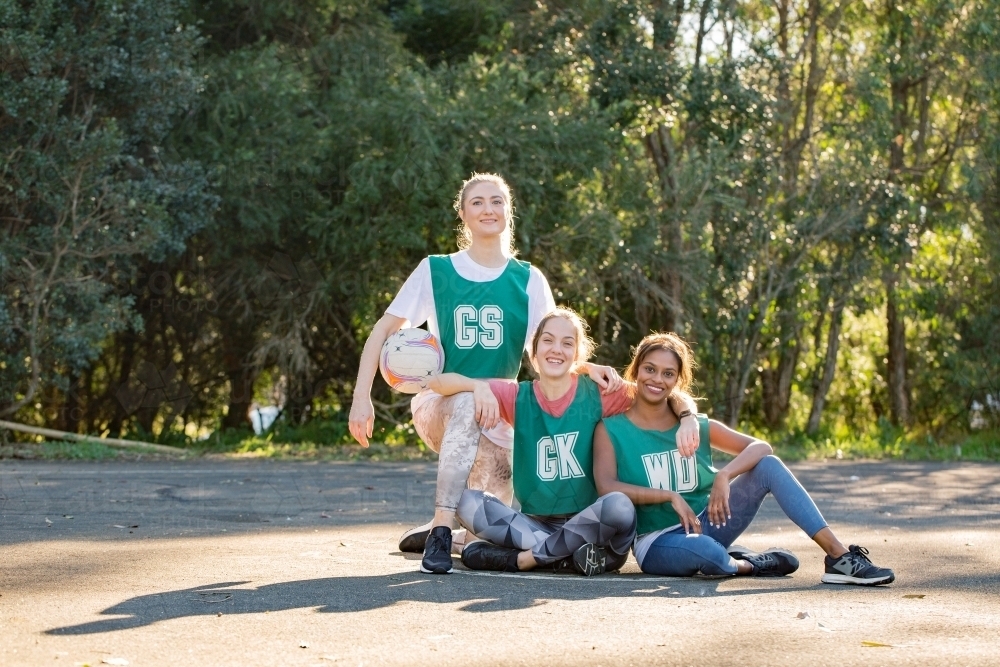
{"x":465,"y":456}
{"x":609,"y":522}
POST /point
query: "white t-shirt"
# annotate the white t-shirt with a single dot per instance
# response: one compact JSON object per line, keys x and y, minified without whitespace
{"x":415,"y":303}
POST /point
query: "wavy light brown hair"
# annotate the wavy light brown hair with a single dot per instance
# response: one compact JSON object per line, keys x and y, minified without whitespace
{"x":507,"y":237}
{"x":672,"y":343}
{"x":584,"y":344}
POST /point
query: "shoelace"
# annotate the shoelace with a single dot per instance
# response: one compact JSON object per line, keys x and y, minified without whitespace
{"x":861,"y":553}
{"x":763,"y":561}
{"x":858,"y":557}
{"x":437,"y":541}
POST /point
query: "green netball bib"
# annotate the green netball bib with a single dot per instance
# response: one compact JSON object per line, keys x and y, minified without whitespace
{"x":554,"y":456}
{"x":483,"y":325}
{"x":650,"y":458}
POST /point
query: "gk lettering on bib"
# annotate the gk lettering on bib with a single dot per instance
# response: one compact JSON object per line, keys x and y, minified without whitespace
{"x":556,"y":458}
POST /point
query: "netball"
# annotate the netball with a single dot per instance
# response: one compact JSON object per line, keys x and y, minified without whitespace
{"x":410,"y":357}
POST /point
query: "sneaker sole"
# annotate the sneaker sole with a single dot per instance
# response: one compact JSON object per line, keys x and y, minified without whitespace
{"x":426,"y":571}
{"x":588,"y":560}
{"x":857,"y":581}
{"x":413,"y":540}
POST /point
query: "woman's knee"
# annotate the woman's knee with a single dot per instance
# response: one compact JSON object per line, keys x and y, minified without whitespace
{"x":617,"y":510}
{"x":771,"y":467}
{"x":461,"y":405}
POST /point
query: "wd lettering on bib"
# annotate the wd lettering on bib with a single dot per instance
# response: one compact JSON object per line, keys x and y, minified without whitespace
{"x":556,"y":458}
{"x":483,"y":325}
{"x":650,"y":458}
{"x":671,"y":471}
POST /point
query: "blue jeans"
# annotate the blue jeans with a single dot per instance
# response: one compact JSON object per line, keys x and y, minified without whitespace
{"x":676,"y":554}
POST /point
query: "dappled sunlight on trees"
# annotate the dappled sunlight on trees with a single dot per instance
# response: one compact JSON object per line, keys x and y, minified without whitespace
{"x":234,"y":190}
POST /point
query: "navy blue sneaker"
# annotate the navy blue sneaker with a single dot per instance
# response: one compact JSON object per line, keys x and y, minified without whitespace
{"x":437,"y":552}
{"x":856,"y":568}
{"x":771,"y":563}
{"x":590,"y":560}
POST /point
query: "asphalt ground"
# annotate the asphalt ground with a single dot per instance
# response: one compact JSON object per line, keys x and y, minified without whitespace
{"x":262,"y":563}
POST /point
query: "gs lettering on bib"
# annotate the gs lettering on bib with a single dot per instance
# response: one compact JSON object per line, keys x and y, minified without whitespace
{"x":483,"y":325}
{"x":554,"y":456}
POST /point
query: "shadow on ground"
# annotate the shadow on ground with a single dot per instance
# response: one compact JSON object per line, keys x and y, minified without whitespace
{"x":354,"y":594}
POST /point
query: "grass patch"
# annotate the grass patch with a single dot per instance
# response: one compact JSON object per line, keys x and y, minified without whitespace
{"x":330,"y":441}
{"x":76,"y":451}
{"x":319,"y":440}
{"x":884,"y":441}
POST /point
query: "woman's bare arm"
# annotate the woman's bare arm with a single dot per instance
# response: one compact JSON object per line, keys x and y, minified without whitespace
{"x":487,"y":405}
{"x":362,"y":419}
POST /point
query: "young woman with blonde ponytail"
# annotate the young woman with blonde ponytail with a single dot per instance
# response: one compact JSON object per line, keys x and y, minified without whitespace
{"x":482,"y":304}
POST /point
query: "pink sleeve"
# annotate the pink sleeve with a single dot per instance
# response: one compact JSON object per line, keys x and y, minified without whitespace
{"x":618,"y":402}
{"x":505,"y":392}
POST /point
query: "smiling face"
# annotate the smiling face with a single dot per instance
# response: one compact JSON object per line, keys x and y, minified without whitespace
{"x":656,"y":376}
{"x":556,"y":348}
{"x":485,"y":210}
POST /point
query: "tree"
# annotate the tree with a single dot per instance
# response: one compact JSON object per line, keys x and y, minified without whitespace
{"x":87,"y":92}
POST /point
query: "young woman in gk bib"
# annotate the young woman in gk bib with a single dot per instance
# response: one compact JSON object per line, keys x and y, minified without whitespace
{"x":562,"y":523}
{"x":689,"y":513}
{"x":481,"y":304}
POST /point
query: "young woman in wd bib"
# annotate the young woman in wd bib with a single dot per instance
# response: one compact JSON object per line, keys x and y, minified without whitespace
{"x":689,"y":513}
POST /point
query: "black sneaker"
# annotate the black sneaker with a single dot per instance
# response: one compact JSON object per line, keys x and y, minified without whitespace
{"x":740,"y":553}
{"x":481,"y":555}
{"x":613,"y":561}
{"x":413,"y":540}
{"x":561,"y":566}
{"x":590,"y":560}
{"x":855,"y":567}
{"x":771,"y":563}
{"x":437,"y":552}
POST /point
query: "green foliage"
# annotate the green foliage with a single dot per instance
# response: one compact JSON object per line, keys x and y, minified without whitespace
{"x":448,"y":30}
{"x":87,"y":96}
{"x":230,"y":193}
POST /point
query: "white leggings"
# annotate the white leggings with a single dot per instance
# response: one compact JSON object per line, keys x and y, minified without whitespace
{"x":466,"y":458}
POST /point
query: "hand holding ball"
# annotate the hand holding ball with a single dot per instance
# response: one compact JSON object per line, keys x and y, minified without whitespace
{"x":410,"y":357}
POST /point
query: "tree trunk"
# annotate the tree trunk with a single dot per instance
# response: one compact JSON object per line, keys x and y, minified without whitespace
{"x":237,"y":346}
{"x":739,"y":376}
{"x":126,"y":344}
{"x":661,"y":149}
{"x":70,"y":412}
{"x":777,"y":384}
{"x":899,"y":404}
{"x":899,"y":399}
{"x":706,"y":7}
{"x":822,"y":387}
